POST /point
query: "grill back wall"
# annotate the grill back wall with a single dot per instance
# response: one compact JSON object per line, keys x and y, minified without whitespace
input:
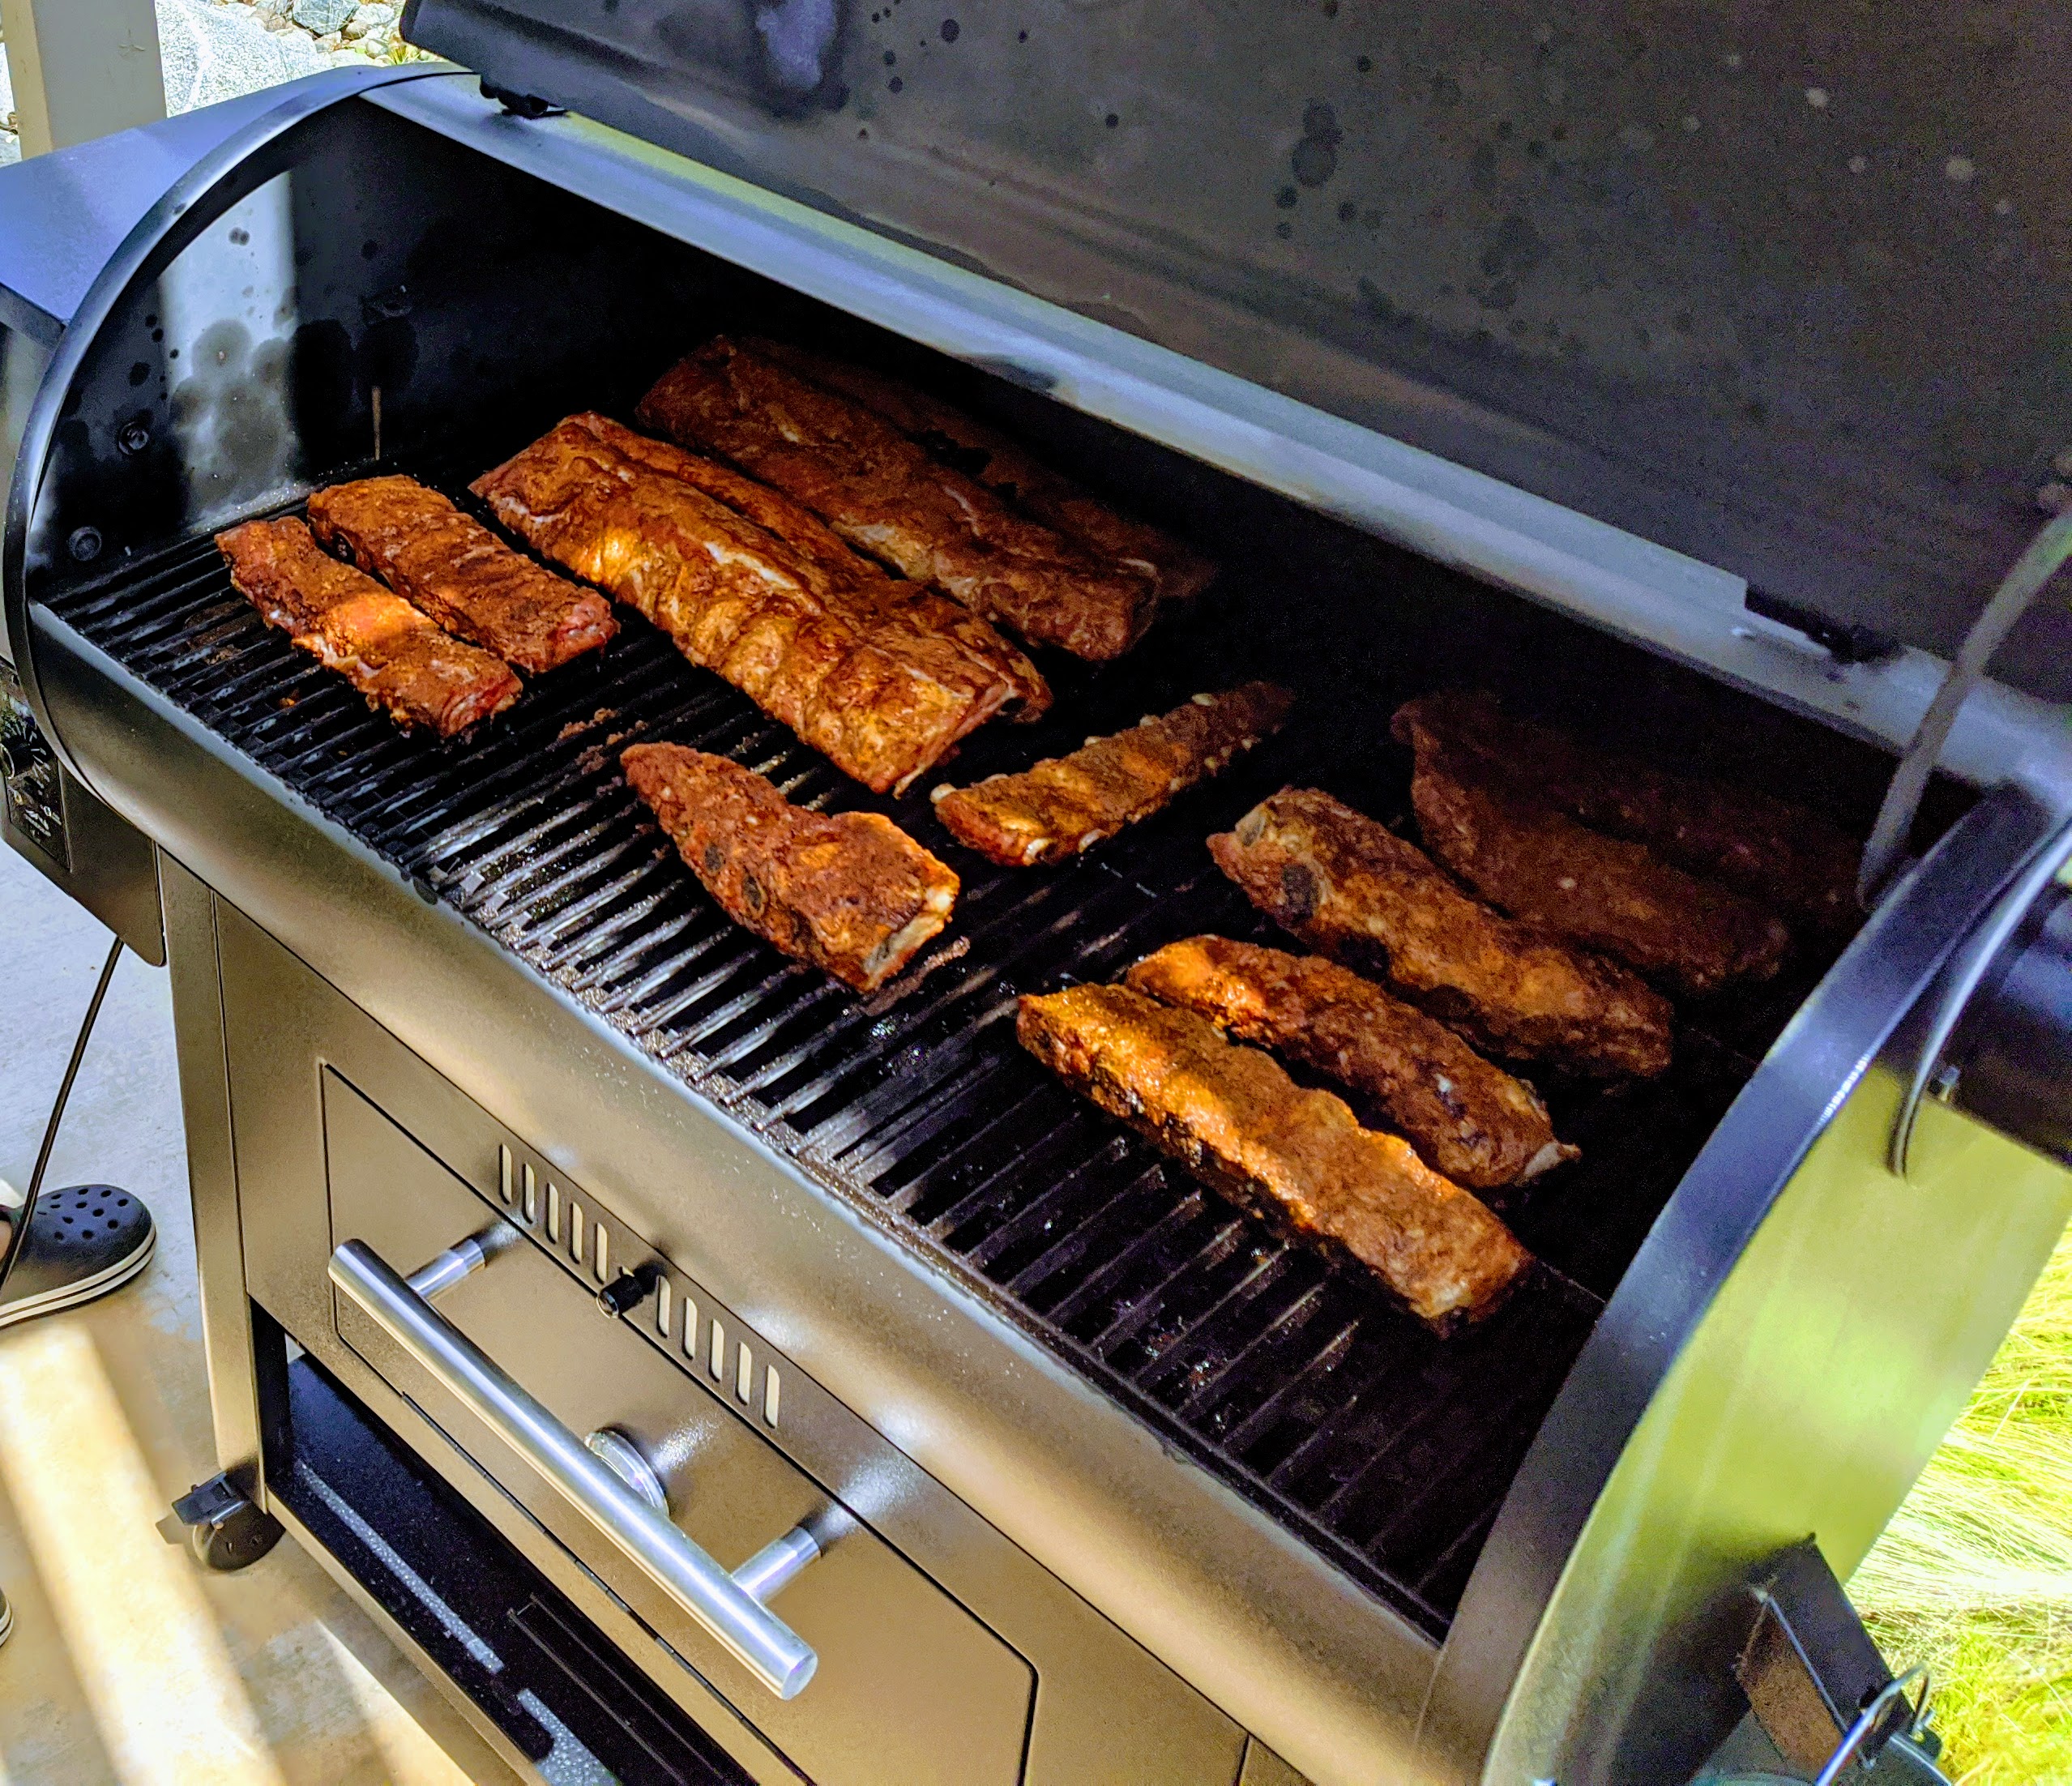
{"x":1282,"y":1489}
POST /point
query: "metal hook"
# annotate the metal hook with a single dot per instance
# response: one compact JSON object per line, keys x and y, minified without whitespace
{"x":1869,"y":1718}
{"x":1885,"y":852}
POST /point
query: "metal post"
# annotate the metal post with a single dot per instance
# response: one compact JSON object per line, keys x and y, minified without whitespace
{"x":82,"y":68}
{"x":227,"y":1342}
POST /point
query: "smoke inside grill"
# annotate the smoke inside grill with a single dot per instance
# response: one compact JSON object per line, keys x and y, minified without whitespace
{"x":1388,"y":1448}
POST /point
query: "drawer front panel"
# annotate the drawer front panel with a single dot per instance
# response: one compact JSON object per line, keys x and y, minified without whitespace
{"x":909,"y":1687}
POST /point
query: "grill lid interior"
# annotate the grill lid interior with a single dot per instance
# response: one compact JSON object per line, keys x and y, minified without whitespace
{"x":1767,"y":284}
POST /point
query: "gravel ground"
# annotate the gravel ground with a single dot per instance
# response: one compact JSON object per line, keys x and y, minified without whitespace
{"x":215,"y":49}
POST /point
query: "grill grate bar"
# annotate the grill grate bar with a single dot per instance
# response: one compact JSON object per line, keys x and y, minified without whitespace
{"x":1009,"y":966}
{"x":885,"y":1031}
{"x":533,"y":884}
{"x":1415,"y":1449}
{"x":1297,"y":1385}
{"x":656,"y":1022}
{"x":1224,"y":1239}
{"x":1446,"y":1580}
{"x":651,"y":1018}
{"x":1189,"y":1208}
{"x":920,"y":1124}
{"x":1148,"y":1187}
{"x":906,"y":1080}
{"x":787,"y":974}
{"x":548,"y":921}
{"x":576,"y":918}
{"x":599,"y":950}
{"x":1326,"y":1436}
{"x":815,"y":1001}
{"x":667,"y":963}
{"x":901,"y":1191}
{"x":1189,"y":1350}
{"x":1039,"y":1212}
{"x":1279,"y":1332}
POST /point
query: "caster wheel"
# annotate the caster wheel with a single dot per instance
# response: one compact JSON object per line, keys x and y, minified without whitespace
{"x":221,"y":1529}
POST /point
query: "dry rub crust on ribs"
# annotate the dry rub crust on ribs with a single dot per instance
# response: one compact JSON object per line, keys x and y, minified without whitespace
{"x":835,"y":572}
{"x":1300,"y":1159}
{"x":880,"y":684}
{"x":851,"y":893}
{"x":1539,"y":865}
{"x":1790,"y":859}
{"x":459,"y":572}
{"x":885,"y":496}
{"x":1467,"y":1118}
{"x":1349,"y":886}
{"x":1065,"y":805}
{"x":403,"y":664}
{"x":965,"y":443}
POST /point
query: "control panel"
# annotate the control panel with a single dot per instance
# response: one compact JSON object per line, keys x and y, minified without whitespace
{"x":34,"y":811}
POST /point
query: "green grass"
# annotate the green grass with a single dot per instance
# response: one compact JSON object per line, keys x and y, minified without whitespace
{"x":1973,"y":1575}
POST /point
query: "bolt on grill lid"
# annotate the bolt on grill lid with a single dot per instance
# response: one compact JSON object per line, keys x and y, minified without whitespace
{"x":1776,"y":287}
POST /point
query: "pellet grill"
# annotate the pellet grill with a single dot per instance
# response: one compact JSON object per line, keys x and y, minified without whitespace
{"x":989,"y":1447}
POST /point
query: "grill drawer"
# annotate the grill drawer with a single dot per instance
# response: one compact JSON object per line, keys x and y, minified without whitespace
{"x":909,"y":1686}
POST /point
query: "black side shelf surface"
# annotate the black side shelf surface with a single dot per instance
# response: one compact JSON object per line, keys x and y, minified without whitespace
{"x":539,"y":1671}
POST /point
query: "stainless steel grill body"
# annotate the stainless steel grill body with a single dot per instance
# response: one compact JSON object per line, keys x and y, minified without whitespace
{"x":1195,"y":1483}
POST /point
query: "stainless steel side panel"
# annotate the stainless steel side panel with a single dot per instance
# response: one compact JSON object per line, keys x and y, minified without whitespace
{"x":1791,"y":1343}
{"x":1107,"y":1713}
{"x":1264,"y":1768}
{"x":1824,"y":1377}
{"x":51,"y":819}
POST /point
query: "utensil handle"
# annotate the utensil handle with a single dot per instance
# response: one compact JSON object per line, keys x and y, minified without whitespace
{"x":729,"y":1609}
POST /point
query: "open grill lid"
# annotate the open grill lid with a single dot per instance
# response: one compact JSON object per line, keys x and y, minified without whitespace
{"x":1781,"y":288}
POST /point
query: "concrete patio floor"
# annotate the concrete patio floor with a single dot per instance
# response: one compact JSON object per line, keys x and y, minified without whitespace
{"x":128,"y":1665}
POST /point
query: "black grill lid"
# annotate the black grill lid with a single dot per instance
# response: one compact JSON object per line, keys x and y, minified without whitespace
{"x":1789,"y":287}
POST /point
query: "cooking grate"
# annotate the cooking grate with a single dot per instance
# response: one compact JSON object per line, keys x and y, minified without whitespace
{"x":1388,"y":1448}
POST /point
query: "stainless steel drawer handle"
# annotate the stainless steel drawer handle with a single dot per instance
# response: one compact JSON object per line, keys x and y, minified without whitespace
{"x":727,"y":1606}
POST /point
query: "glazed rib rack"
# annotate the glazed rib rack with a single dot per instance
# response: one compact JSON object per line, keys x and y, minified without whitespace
{"x":1387,"y":1448}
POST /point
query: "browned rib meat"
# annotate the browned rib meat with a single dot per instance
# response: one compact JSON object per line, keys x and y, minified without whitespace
{"x":1780,"y":854}
{"x":852,"y":893}
{"x":1065,"y":805}
{"x":1298,"y":1158}
{"x":1540,"y":865}
{"x":404,"y":665}
{"x":1349,"y":885}
{"x":459,"y":572}
{"x":884,"y":496}
{"x":835,"y":571}
{"x":1175,"y":569}
{"x":1468,"y":1118}
{"x":862,"y":675}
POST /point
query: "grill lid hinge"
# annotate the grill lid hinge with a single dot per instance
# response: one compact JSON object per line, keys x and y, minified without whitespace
{"x":521,"y":105}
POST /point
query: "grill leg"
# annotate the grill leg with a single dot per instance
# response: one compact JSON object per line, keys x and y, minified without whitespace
{"x":211,"y":1177}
